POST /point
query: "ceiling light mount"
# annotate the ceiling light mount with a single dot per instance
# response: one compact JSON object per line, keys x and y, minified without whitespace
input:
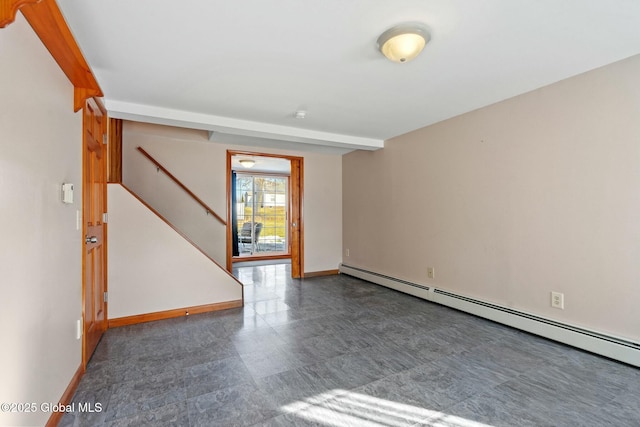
{"x":403,"y":42}
{"x":300,"y":114}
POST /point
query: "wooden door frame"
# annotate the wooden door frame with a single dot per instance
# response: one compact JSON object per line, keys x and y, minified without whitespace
{"x":296,"y":193}
{"x":85,"y":214}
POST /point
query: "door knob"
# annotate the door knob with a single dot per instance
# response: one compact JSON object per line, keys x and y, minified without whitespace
{"x":92,"y":239}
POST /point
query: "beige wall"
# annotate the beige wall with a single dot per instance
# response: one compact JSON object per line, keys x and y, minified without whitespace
{"x":179,"y":151}
{"x":535,"y":194}
{"x":40,"y":247}
{"x":201,"y":166}
{"x":152,"y":268}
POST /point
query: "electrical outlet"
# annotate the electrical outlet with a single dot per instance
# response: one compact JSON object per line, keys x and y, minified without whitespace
{"x":347,"y":252}
{"x":431,"y":272}
{"x":557,"y":300}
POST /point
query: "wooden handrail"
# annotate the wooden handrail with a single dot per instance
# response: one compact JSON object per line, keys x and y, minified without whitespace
{"x":184,"y":236}
{"x":181,"y":185}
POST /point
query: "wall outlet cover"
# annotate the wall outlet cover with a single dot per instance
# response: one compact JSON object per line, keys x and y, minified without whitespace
{"x":557,"y":300}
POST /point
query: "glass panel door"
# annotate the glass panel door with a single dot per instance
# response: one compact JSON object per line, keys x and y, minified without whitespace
{"x":262,"y":209}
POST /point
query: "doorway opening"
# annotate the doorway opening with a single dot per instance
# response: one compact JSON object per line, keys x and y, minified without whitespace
{"x":265,"y":209}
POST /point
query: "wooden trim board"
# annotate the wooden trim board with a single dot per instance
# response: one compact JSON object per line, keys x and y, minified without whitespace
{"x":170,"y":314}
{"x":55,"y":417}
{"x":321,"y":273}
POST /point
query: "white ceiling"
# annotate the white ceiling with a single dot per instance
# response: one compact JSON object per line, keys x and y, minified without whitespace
{"x":242,"y":68}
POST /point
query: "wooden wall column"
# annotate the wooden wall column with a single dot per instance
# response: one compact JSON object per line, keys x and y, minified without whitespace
{"x":114,"y":157}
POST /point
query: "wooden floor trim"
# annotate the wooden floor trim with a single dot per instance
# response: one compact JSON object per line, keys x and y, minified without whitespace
{"x":170,"y":314}
{"x":321,"y":273}
{"x":56,"y":417}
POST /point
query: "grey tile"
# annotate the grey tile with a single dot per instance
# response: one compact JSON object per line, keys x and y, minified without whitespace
{"x":315,"y":311}
{"x":434,"y":385}
{"x":68,"y":420}
{"x":487,"y":410}
{"x":218,"y":350}
{"x":358,"y":316}
{"x":600,"y":370}
{"x":464,"y":337}
{"x":467,"y":366}
{"x":573,"y":385}
{"x":99,"y":375}
{"x":356,"y":369}
{"x":279,"y":318}
{"x":356,"y":408}
{"x":216,"y":375}
{"x":254,"y":294}
{"x":340,"y":351}
{"x":387,"y":329}
{"x":303,"y":299}
{"x":293,"y":387}
{"x":230,"y":322}
{"x":134,"y":368}
{"x":89,"y":408}
{"x":517,"y":403}
{"x":269,"y":306}
{"x":425,"y":347}
{"x":622,"y":411}
{"x":132,"y":397}
{"x":196,"y":337}
{"x":302,"y":329}
{"x":291,"y":420}
{"x":323,"y":347}
{"x":172,"y":415}
{"x":242,"y":405}
{"x":271,"y":361}
{"x":263,"y":340}
{"x":505,"y":358}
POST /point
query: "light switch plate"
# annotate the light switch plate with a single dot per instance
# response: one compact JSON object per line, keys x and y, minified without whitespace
{"x":67,"y":193}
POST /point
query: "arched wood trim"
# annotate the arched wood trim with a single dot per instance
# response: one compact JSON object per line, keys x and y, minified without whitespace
{"x":81,"y":94}
{"x":9,"y":8}
{"x":47,"y":21}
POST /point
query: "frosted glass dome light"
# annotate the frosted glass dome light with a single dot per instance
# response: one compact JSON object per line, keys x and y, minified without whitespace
{"x":403,"y":42}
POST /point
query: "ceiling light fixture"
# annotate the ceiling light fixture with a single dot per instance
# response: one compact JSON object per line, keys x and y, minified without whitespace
{"x":300,"y":114}
{"x":403,"y":42}
{"x":247,"y":163}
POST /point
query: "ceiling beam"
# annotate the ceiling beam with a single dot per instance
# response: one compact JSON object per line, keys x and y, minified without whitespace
{"x":47,"y":21}
{"x":258,"y":131}
{"x":9,"y":8}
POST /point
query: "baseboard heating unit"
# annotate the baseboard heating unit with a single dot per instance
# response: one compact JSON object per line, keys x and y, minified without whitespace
{"x":595,"y":342}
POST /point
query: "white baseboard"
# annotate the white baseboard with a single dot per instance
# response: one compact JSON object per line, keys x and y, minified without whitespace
{"x":596,"y":342}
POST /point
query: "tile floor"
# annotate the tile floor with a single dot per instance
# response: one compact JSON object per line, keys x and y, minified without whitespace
{"x":338,"y":351}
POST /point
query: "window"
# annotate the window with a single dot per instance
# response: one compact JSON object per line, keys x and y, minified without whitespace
{"x":262,"y":207}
